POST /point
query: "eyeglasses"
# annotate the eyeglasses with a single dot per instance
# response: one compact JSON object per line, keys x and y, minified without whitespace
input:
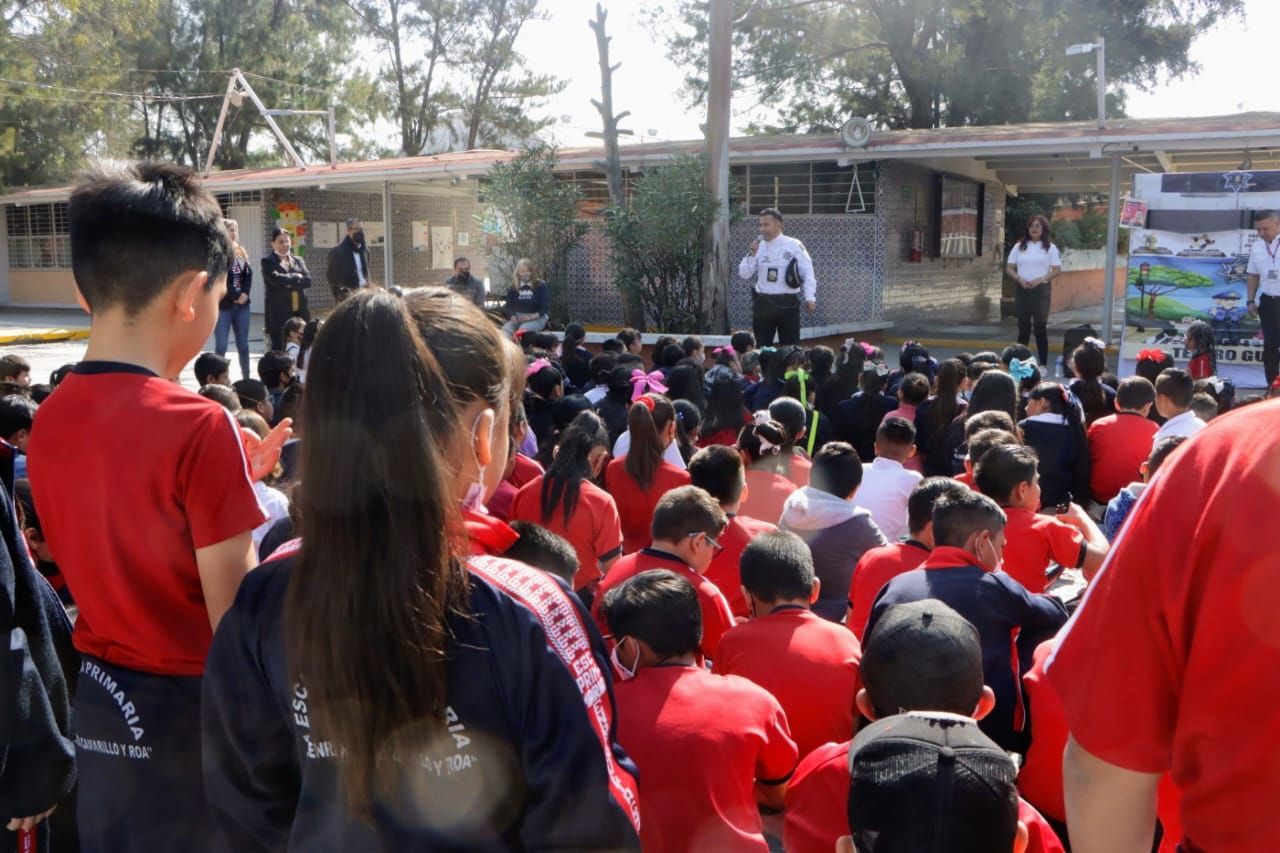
{"x":710,"y":541}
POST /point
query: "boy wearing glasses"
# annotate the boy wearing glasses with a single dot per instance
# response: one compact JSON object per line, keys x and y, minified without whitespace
{"x":686,"y":524}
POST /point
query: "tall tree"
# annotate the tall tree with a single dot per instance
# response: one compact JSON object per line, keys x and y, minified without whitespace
{"x":936,"y":63}
{"x":500,"y":90}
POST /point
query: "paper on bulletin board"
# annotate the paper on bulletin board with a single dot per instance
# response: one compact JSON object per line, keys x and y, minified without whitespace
{"x":441,"y":247}
{"x":375,"y":234}
{"x":462,"y":238}
{"x":324,"y":235}
{"x":421,"y":236}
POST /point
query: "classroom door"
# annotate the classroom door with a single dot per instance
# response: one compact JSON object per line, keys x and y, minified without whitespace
{"x":254,"y":240}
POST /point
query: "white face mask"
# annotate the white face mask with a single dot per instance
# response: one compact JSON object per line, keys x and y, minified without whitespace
{"x":625,"y":673}
{"x":474,"y":499}
{"x":999,"y":563}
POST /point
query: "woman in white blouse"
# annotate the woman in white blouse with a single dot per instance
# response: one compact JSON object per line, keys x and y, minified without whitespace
{"x":1034,"y":262}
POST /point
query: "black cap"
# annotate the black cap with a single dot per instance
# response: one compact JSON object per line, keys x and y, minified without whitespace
{"x":922,"y":656}
{"x":927,"y":782}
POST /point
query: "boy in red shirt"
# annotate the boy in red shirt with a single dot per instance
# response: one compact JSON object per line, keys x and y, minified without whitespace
{"x":921,"y":656}
{"x":880,"y":565}
{"x":710,"y":748}
{"x":1119,"y":443}
{"x":686,"y":525}
{"x":719,"y":471}
{"x":1009,"y":476}
{"x":1188,"y":594}
{"x":150,"y":521}
{"x":978,"y":445}
{"x":809,"y":664}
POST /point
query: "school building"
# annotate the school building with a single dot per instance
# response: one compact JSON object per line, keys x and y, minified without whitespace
{"x":905,"y":227}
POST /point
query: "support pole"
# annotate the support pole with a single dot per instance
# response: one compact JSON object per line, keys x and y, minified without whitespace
{"x":1113,"y":233}
{"x":271,"y":122}
{"x":715,"y":256}
{"x":333,"y":138}
{"x":388,"y":249}
{"x":1102,"y":83}
{"x":222,"y":118}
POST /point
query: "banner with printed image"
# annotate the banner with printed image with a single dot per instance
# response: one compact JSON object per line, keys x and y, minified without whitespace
{"x":1189,"y":263}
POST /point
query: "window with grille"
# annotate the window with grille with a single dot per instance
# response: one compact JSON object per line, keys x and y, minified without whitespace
{"x":39,"y":236}
{"x":240,"y":197}
{"x":805,"y":188}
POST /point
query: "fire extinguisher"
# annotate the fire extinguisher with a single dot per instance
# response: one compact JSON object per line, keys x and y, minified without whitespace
{"x":917,"y":245}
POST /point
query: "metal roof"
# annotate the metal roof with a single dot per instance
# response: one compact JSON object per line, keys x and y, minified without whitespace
{"x":1045,"y":157}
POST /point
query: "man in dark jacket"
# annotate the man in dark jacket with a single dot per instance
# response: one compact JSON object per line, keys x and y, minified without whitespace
{"x":349,"y":262}
{"x":462,"y":282}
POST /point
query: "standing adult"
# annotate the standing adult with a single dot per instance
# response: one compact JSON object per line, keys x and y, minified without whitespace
{"x":233,"y":309}
{"x":1264,"y":276}
{"x":348,"y":267}
{"x":528,"y":301}
{"x":775,"y":302}
{"x":462,"y":282}
{"x":1034,"y":261}
{"x":287,"y":279}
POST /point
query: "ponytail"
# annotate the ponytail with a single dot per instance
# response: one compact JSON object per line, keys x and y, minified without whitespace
{"x":762,"y":440}
{"x":369,"y":600}
{"x":1089,"y":361}
{"x":572,"y":464}
{"x":646,"y":421}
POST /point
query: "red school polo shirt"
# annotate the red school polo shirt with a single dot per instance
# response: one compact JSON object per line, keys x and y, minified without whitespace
{"x":724,"y":570}
{"x":700,"y":742}
{"x":1033,"y":540}
{"x":1187,"y":598}
{"x":964,"y":478}
{"x":875,"y":569}
{"x":525,"y":471}
{"x":716,"y":616}
{"x":635,"y":505}
{"x":810,"y":665}
{"x":766,"y":493}
{"x":818,"y":806}
{"x":1118,"y":445}
{"x":593,"y":528}
{"x":131,"y":474}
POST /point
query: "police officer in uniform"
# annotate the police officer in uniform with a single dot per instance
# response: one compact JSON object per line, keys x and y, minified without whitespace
{"x":775,"y":304}
{"x":1264,"y":288}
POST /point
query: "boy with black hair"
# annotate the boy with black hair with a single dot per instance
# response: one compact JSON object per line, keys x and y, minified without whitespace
{"x":913,"y":391}
{"x":978,"y":445}
{"x":810,"y":665}
{"x":881,"y":565}
{"x":1119,"y":443}
{"x":1123,"y":503}
{"x":692,"y":348}
{"x":212,"y":369}
{"x":959,"y":434}
{"x":1009,"y":475}
{"x":223,"y":396}
{"x":149,"y":255}
{"x":1174,"y":390}
{"x":837,"y":531}
{"x":612,"y":346}
{"x":687,"y":524}
{"x":711,"y":748}
{"x":886,"y":481}
{"x":39,"y":392}
{"x":275,"y":369}
{"x":61,"y":373}
{"x":923,"y":659}
{"x":14,"y":368}
{"x":963,"y":572}
{"x":742,"y":342}
{"x":1203,"y":406}
{"x":17,"y":414}
{"x":254,"y":397}
{"x":719,"y":470}
{"x":544,"y":550}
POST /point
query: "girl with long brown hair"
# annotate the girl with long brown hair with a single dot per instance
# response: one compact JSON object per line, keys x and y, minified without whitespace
{"x":372,"y":687}
{"x":640,"y":478}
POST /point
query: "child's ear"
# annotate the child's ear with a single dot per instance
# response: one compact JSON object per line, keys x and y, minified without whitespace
{"x":82,"y":302}
{"x":863,"y":703}
{"x":188,"y":291}
{"x":817,"y":588}
{"x":911,"y":452}
{"x":986,"y":703}
{"x":33,"y":536}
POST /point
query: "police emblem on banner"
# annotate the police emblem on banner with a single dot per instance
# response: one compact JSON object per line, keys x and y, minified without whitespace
{"x":1237,"y":182}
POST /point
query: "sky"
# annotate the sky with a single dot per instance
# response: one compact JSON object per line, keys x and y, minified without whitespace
{"x":1234,"y":57}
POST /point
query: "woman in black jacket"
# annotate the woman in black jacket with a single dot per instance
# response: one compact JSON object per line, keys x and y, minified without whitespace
{"x":286,"y":279}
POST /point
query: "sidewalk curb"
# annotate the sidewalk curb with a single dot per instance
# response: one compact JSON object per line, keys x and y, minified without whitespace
{"x":43,"y":336}
{"x":964,"y":344}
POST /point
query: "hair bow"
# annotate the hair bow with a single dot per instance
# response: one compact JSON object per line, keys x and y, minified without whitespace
{"x":1151,"y":355}
{"x":642,"y":382}
{"x":867,"y":348}
{"x":768,"y":349}
{"x":801,"y":374}
{"x":767,"y":446}
{"x":881,"y":369}
{"x":1217,"y":383}
{"x":1094,"y":342}
{"x":723,"y":350}
{"x":536,"y":367}
{"x":761,"y":417}
{"x":1023,"y":370}
{"x":646,"y":401}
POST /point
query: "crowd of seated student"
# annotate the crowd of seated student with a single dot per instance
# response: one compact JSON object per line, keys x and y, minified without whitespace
{"x":724,"y":545}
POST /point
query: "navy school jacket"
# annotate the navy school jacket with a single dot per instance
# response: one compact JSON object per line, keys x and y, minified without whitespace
{"x":530,"y":761}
